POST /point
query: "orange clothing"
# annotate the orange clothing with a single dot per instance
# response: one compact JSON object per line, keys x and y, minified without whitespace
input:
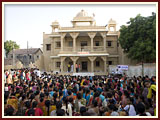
{"x":108,"y":114}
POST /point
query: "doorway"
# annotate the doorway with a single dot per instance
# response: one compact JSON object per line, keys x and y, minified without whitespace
{"x":85,"y":66}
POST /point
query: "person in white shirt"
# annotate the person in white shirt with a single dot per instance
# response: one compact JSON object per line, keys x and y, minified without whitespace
{"x":130,"y":108}
{"x":72,"y":68}
{"x":38,"y":73}
{"x":77,"y":103}
{"x":70,"y":105}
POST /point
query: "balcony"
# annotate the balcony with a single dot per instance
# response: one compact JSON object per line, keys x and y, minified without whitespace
{"x":84,"y":49}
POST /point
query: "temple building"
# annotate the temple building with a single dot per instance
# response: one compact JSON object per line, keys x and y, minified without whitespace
{"x":92,"y":47}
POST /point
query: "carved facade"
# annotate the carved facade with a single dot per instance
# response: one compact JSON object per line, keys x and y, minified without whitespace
{"x":86,"y":44}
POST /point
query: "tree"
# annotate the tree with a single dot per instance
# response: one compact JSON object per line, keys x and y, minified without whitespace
{"x":138,"y":38}
{"x":9,"y":45}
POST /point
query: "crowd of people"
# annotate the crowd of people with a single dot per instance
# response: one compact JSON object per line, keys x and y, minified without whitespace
{"x":28,"y":92}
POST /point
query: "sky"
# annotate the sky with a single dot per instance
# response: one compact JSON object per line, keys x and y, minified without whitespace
{"x":27,"y":22}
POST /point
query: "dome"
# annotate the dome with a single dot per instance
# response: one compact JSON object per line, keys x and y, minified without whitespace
{"x":111,"y":21}
{"x":82,"y":14}
{"x":55,"y":23}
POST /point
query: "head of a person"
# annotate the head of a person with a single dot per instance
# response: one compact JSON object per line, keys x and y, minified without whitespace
{"x":111,"y":107}
{"x":37,"y":92}
{"x":41,"y":95}
{"x":27,"y":104}
{"x":69,"y":92}
{"x":140,"y":98}
{"x":87,"y":91}
{"x":109,"y":95}
{"x":9,"y":111}
{"x":60,"y":112}
{"x":41,"y":99}
{"x":126,"y":93}
{"x":32,"y":96}
{"x":140,"y":108}
{"x":95,"y":103}
{"x":60,"y":93}
{"x":70,"y":100}
{"x":147,"y":84}
{"x":132,"y":90}
{"x":79,"y":96}
{"x":55,"y":95}
{"x":47,"y":103}
{"x":65,"y":100}
{"x":58,"y":105}
{"x":34,"y":104}
{"x":83,"y":110}
{"x":96,"y":94}
{"x":31,"y":112}
{"x":46,"y":94}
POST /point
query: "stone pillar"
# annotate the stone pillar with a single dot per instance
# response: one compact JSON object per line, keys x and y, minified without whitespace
{"x":62,"y":60}
{"x":53,"y":63}
{"x":74,"y":59}
{"x":74,"y":36}
{"x":92,"y":35}
{"x":74,"y":66}
{"x":104,"y":40}
{"x":62,"y":40}
{"x":105,"y":66}
{"x":92,"y":59}
{"x":74,"y":44}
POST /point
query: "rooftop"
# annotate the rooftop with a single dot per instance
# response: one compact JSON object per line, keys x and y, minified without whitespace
{"x":83,"y":16}
{"x":25,"y":51}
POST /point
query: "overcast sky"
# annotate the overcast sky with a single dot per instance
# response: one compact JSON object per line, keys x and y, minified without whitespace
{"x":28,"y":22}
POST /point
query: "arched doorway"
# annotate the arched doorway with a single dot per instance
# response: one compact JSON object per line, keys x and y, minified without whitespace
{"x":98,"y":65}
{"x":67,"y":62}
{"x":84,"y":63}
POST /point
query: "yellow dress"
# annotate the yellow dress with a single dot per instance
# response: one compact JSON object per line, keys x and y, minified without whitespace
{"x":152,"y":87}
{"x":45,"y":110}
{"x":13,"y":102}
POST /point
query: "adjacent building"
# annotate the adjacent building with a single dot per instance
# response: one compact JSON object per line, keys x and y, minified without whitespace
{"x":92,"y":47}
{"x":25,"y":56}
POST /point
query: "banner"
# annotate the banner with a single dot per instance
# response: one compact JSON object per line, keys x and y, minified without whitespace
{"x":122,"y":67}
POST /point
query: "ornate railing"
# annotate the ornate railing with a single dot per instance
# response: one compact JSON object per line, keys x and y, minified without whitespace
{"x":85,"y":48}
{"x":68,"y":49}
{"x":98,"y":48}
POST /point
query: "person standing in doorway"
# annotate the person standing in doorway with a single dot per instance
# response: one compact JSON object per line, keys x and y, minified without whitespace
{"x":79,"y":66}
{"x":72,"y":68}
{"x":76,"y":67}
{"x":69,"y":67}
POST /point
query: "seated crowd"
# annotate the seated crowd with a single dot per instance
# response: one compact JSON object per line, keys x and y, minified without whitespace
{"x":27,"y":92}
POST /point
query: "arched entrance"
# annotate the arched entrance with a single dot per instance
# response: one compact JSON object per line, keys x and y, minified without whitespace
{"x":67,"y":62}
{"x":84,"y":63}
{"x":98,"y":65}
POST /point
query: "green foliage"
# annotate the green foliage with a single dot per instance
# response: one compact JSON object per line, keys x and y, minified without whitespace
{"x":9,"y":45}
{"x":138,"y":38}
